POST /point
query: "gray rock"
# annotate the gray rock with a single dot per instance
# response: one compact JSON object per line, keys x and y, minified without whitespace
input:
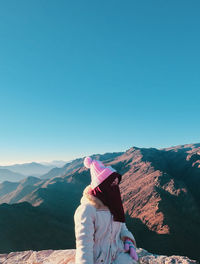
{"x":67,"y":257}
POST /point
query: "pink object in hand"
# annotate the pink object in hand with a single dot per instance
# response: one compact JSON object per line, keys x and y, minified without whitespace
{"x":128,"y":246}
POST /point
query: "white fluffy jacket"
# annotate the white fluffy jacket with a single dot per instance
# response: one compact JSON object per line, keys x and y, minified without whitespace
{"x":99,"y":239}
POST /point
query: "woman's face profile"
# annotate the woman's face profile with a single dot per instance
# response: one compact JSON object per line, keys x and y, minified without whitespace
{"x":115,"y":182}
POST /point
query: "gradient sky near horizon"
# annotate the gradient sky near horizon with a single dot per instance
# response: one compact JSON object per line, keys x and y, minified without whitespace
{"x":85,"y":77}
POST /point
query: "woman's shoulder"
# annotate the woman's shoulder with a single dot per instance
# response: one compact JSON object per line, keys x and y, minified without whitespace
{"x":85,"y":210}
{"x":88,"y":198}
{"x":85,"y":204}
{"x":89,"y":204}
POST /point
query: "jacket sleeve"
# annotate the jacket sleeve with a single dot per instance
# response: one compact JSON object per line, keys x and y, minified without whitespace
{"x":125,"y":233}
{"x":84,"y":218}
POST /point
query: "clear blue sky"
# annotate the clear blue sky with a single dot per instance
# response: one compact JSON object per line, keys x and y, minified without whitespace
{"x":84,"y":77}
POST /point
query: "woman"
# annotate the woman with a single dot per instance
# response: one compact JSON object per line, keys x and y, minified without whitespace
{"x":100,"y":229}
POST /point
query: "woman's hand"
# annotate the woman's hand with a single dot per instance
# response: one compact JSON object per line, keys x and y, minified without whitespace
{"x":129,"y":247}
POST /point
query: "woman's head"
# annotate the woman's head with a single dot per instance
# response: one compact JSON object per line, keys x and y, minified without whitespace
{"x":109,"y":193}
{"x":105,"y":186}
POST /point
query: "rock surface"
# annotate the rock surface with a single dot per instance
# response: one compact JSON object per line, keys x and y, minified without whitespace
{"x":67,"y":257}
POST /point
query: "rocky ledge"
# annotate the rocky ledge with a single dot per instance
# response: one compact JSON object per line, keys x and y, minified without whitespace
{"x":67,"y":257}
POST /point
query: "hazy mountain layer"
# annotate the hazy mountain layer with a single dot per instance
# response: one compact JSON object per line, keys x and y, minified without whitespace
{"x":29,"y":169}
{"x":8,"y":175}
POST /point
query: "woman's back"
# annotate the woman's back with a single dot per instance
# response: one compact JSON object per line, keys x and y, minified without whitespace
{"x":96,"y":232}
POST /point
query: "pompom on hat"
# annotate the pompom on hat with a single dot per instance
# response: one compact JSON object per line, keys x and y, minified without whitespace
{"x":87,"y":162}
{"x":97,"y":170}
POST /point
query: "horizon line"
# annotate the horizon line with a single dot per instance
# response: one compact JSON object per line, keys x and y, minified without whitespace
{"x":78,"y":157}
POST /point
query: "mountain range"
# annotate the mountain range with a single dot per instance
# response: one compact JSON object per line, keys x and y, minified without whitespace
{"x":18,"y":172}
{"x":160,"y":191}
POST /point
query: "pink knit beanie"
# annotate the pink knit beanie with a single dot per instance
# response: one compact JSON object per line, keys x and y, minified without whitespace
{"x":98,"y":171}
